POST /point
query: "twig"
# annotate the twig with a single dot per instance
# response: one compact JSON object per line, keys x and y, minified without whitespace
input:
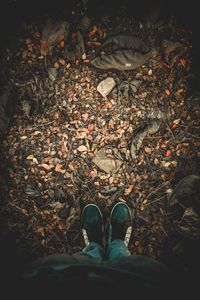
{"x":44,"y":124}
{"x":154,"y":201}
{"x":159,"y":188}
{"x":169,"y":129}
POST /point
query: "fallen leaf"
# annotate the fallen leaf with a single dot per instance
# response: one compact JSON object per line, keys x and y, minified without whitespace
{"x":71,"y":167}
{"x":108,"y":165}
{"x":90,"y":127}
{"x":62,"y":44}
{"x":148,"y":150}
{"x":128,"y":190}
{"x":56,"y":65}
{"x":81,"y":135}
{"x":84,"y":56}
{"x":37,"y":34}
{"x":24,"y":212}
{"x":45,"y":166}
{"x":58,"y":168}
{"x":95,"y":43}
{"x":24,"y":137}
{"x":177,"y":121}
{"x":93,"y":31}
{"x":62,"y":61}
{"x":182,"y":62}
{"x":30,"y":157}
{"x":82,"y":148}
{"x":42,"y":172}
{"x":85,"y":117}
{"x":28,"y":41}
{"x":166,"y":164}
{"x":168,"y":153}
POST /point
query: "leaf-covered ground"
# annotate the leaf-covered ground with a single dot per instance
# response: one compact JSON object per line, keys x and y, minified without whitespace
{"x":48,"y":155}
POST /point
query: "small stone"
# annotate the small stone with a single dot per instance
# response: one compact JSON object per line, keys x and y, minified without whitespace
{"x":150,"y":72}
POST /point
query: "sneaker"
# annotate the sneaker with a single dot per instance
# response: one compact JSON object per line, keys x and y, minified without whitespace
{"x":120,"y":223}
{"x":92,"y":224}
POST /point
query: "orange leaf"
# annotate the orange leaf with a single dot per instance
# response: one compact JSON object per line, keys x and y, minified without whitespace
{"x":42,"y":172}
{"x":37,"y":34}
{"x":147,"y":150}
{"x":85,"y":117}
{"x":183,"y":62}
{"x":167,"y":92}
{"x":90,"y":127}
{"x":82,"y":148}
{"x":168,"y":153}
{"x":87,"y":173}
{"x":179,"y":92}
{"x":58,"y":168}
{"x":93,"y":31}
{"x":45,"y":166}
{"x":81,"y":135}
{"x":71,"y":167}
{"x":62,"y":44}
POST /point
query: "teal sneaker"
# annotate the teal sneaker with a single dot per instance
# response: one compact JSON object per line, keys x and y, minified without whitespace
{"x":120,"y":223}
{"x":92,"y":224}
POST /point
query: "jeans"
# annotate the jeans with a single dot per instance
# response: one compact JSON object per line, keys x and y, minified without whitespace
{"x":114,"y":250}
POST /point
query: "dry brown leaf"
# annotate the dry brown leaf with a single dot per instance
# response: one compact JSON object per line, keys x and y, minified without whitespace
{"x":85,"y":117}
{"x":42,"y":172}
{"x":62,"y":61}
{"x":58,"y":168}
{"x":167,"y":92}
{"x":56,"y":65}
{"x":93,"y":31}
{"x":82,"y":148}
{"x":90,"y":127}
{"x":71,"y":167}
{"x":62,"y":44}
{"x":128,"y":190}
{"x":168,"y":153}
{"x":46,"y":167}
{"x":148,"y":150}
{"x":81,"y":135}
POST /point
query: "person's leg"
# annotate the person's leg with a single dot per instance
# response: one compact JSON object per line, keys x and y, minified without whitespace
{"x":119,"y":232}
{"x":92,"y":229}
{"x":93,"y":252}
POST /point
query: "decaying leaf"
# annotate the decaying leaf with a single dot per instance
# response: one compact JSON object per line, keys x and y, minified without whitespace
{"x":108,"y":165}
{"x":150,"y":128}
{"x":46,"y":166}
{"x":128,"y":190}
{"x":82,"y":148}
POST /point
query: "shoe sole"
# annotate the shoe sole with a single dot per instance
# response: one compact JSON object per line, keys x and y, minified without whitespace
{"x":129,"y":229}
{"x":85,"y":236}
